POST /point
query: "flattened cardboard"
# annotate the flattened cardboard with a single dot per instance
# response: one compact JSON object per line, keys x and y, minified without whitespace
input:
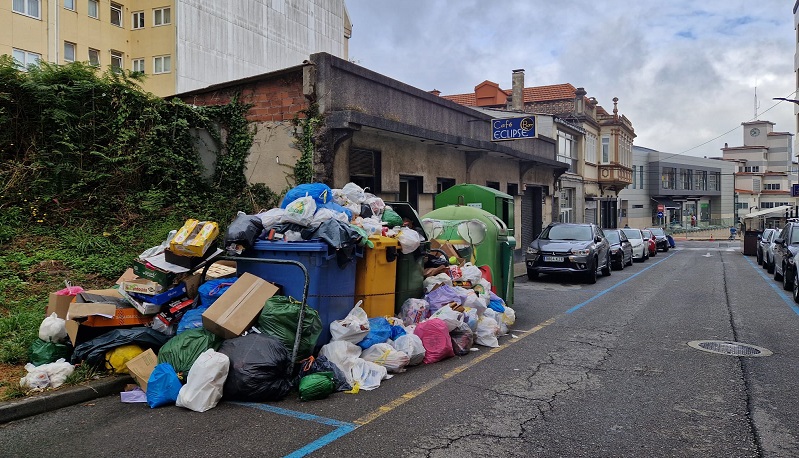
{"x":142,"y":366}
{"x":84,"y":315}
{"x":127,"y":276}
{"x":141,"y":286}
{"x":238,"y":307}
{"x":145,"y":308}
{"x":59,"y":305}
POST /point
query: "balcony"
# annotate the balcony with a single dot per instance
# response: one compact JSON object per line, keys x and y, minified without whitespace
{"x":615,"y":176}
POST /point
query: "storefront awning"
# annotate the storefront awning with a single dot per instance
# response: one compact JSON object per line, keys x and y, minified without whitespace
{"x":767,"y":211}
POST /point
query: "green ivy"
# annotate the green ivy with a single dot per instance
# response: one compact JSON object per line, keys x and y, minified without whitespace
{"x":305,"y":142}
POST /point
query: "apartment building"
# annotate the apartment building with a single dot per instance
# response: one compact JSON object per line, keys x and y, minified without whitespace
{"x":180,"y":45}
{"x":596,"y":144}
{"x":765,"y":172}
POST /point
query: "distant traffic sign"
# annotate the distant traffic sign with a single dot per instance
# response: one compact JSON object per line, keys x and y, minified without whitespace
{"x":660,"y":214}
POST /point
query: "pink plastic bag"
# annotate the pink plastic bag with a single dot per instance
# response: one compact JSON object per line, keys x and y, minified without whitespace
{"x":70,"y":291}
{"x":435,"y":338}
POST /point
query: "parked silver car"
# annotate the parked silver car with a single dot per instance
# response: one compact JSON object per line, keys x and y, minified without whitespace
{"x":763,"y":242}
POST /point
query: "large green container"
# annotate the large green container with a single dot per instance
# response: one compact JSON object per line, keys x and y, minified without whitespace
{"x":473,"y":195}
{"x":457,"y":224}
{"x":410,"y":267}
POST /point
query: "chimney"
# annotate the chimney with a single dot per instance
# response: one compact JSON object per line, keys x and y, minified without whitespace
{"x":518,"y":90}
{"x":579,"y":100}
{"x":435,"y":92}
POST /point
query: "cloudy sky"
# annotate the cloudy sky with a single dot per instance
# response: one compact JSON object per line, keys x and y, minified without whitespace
{"x":684,"y":71}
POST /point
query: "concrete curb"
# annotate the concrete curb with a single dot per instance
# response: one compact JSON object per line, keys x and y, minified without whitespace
{"x":64,"y":397}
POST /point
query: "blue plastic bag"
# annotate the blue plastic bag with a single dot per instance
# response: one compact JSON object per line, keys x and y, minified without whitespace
{"x":496,"y":304}
{"x":212,"y":289}
{"x":397,"y":331}
{"x":336,"y":207}
{"x":193,"y":319}
{"x":379,"y":332}
{"x":320,"y":192}
{"x":163,"y":386}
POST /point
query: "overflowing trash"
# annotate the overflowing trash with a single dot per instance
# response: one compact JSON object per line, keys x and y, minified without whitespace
{"x":273,"y":308}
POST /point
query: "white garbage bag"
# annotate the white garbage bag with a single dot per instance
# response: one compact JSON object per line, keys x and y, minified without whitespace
{"x":368,"y":375}
{"x":409,"y":240}
{"x":203,"y":388}
{"x":343,"y":354}
{"x":47,"y":375}
{"x":386,"y":355}
{"x":449,"y":316}
{"x":300,"y":211}
{"x":411,"y":345}
{"x":53,"y":329}
{"x":487,"y":330}
{"x":352,"y":328}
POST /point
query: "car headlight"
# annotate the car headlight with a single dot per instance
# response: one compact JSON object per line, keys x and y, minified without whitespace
{"x":531,"y":250}
{"x":584,"y":252}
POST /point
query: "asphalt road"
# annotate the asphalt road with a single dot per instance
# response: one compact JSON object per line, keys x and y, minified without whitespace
{"x":598,"y":370}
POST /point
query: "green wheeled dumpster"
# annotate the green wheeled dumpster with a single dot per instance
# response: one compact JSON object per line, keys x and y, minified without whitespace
{"x":495,"y":202}
{"x":410,"y":267}
{"x":481,"y":238}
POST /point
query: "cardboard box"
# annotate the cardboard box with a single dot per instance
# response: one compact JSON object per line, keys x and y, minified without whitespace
{"x":99,"y":308}
{"x":59,"y":305}
{"x":163,"y":277}
{"x":142,"y":366}
{"x":238,"y":307}
{"x":162,"y":298}
{"x":191,"y":262}
{"x":141,"y":286}
{"x":145,"y":308}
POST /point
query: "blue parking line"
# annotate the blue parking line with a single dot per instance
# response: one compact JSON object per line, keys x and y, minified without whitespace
{"x":342,"y":427}
{"x":788,"y":300}
{"x":603,"y":292}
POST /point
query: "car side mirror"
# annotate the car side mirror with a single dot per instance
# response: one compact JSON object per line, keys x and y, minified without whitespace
{"x":597,"y":239}
{"x":779,"y":241}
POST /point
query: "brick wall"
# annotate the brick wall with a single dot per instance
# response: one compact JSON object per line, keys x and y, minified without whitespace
{"x":278,"y":98}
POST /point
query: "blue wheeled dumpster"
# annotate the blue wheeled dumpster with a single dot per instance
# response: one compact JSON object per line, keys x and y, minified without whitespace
{"x":331,"y":290}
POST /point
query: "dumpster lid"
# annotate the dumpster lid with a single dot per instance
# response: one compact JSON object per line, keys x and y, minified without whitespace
{"x":405,"y":210}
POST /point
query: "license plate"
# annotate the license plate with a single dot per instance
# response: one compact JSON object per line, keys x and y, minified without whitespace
{"x":553,"y":258}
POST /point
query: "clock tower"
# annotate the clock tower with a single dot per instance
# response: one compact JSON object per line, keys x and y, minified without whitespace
{"x":756,"y":132}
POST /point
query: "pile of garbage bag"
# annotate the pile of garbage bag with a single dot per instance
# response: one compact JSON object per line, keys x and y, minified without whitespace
{"x":192,"y":340}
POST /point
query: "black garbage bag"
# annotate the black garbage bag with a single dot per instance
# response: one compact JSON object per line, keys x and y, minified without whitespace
{"x":244,"y":230}
{"x":259,"y":369}
{"x":93,"y":351}
{"x":339,"y":235}
{"x":313,"y":365}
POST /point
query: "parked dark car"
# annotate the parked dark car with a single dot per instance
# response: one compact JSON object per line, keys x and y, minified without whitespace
{"x":621,"y":250}
{"x":661,"y":240}
{"x":579,"y":249}
{"x":763,"y":241}
{"x":786,"y":245}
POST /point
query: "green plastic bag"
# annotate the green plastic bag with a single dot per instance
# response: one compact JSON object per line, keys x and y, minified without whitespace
{"x":315,"y":386}
{"x":41,"y":352}
{"x":182,"y":350}
{"x":279,"y":319}
{"x":392,"y":218}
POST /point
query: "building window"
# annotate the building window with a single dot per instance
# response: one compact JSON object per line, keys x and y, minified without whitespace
{"x":605,"y":149}
{"x":69,"y":4}
{"x":410,"y":188}
{"x":162,"y":16}
{"x":162,"y":64}
{"x":590,"y":148}
{"x":513,"y":189}
{"x":365,"y":170}
{"x":668,"y":178}
{"x":94,"y":57}
{"x":700,"y":180}
{"x":137,"y":65}
{"x":24,"y":58}
{"x":771,"y":186}
{"x":69,"y":52}
{"x":641,"y":177}
{"x":93,"y":9}
{"x":116,"y":61}
{"x":567,"y":150}
{"x":138,"y":20}
{"x":566,"y":201}
{"x":27,"y":7}
{"x":442,"y":184}
{"x":493,"y":185}
{"x":116,"y":14}
{"x":635,"y":169}
{"x":685,"y":179}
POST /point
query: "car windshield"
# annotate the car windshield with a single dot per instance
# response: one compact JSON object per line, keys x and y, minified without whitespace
{"x":658,"y":231}
{"x":632,"y":233}
{"x":612,"y":236}
{"x":794,"y":236}
{"x":647,"y":234}
{"x":567,"y":232}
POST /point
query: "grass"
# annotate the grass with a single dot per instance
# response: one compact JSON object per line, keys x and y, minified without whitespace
{"x":35,"y":261}
{"x":84,"y":373}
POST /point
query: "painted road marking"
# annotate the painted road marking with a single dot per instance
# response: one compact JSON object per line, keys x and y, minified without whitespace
{"x":780,"y":292}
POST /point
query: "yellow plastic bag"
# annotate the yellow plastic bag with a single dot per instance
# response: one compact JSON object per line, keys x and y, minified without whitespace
{"x":117,"y":359}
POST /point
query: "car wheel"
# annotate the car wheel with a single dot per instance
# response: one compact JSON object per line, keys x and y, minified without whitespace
{"x":621,"y":263}
{"x":655,"y":252}
{"x":796,"y":287}
{"x":759,"y":259}
{"x":666,"y":250}
{"x":590,"y":276}
{"x":777,"y":275}
{"x":531,"y":274}
{"x":770,"y":267}
{"x":606,"y":268}
{"x":631,"y":261}
{"x":787,"y":279}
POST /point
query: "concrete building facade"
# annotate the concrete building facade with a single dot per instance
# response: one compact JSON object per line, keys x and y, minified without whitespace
{"x":401,"y":142}
{"x":687,"y":191}
{"x":180,"y":45}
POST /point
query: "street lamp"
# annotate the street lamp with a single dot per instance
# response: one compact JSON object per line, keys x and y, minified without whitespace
{"x":786,"y":100}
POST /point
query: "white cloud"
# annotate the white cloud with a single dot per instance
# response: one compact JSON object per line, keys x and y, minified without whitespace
{"x":684,"y":72}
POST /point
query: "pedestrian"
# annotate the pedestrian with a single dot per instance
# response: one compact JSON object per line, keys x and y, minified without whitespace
{"x":693,"y":220}
{"x":732,"y":232}
{"x":626,"y":226}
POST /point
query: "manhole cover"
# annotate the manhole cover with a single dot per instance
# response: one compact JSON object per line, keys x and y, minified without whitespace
{"x":723,"y":347}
